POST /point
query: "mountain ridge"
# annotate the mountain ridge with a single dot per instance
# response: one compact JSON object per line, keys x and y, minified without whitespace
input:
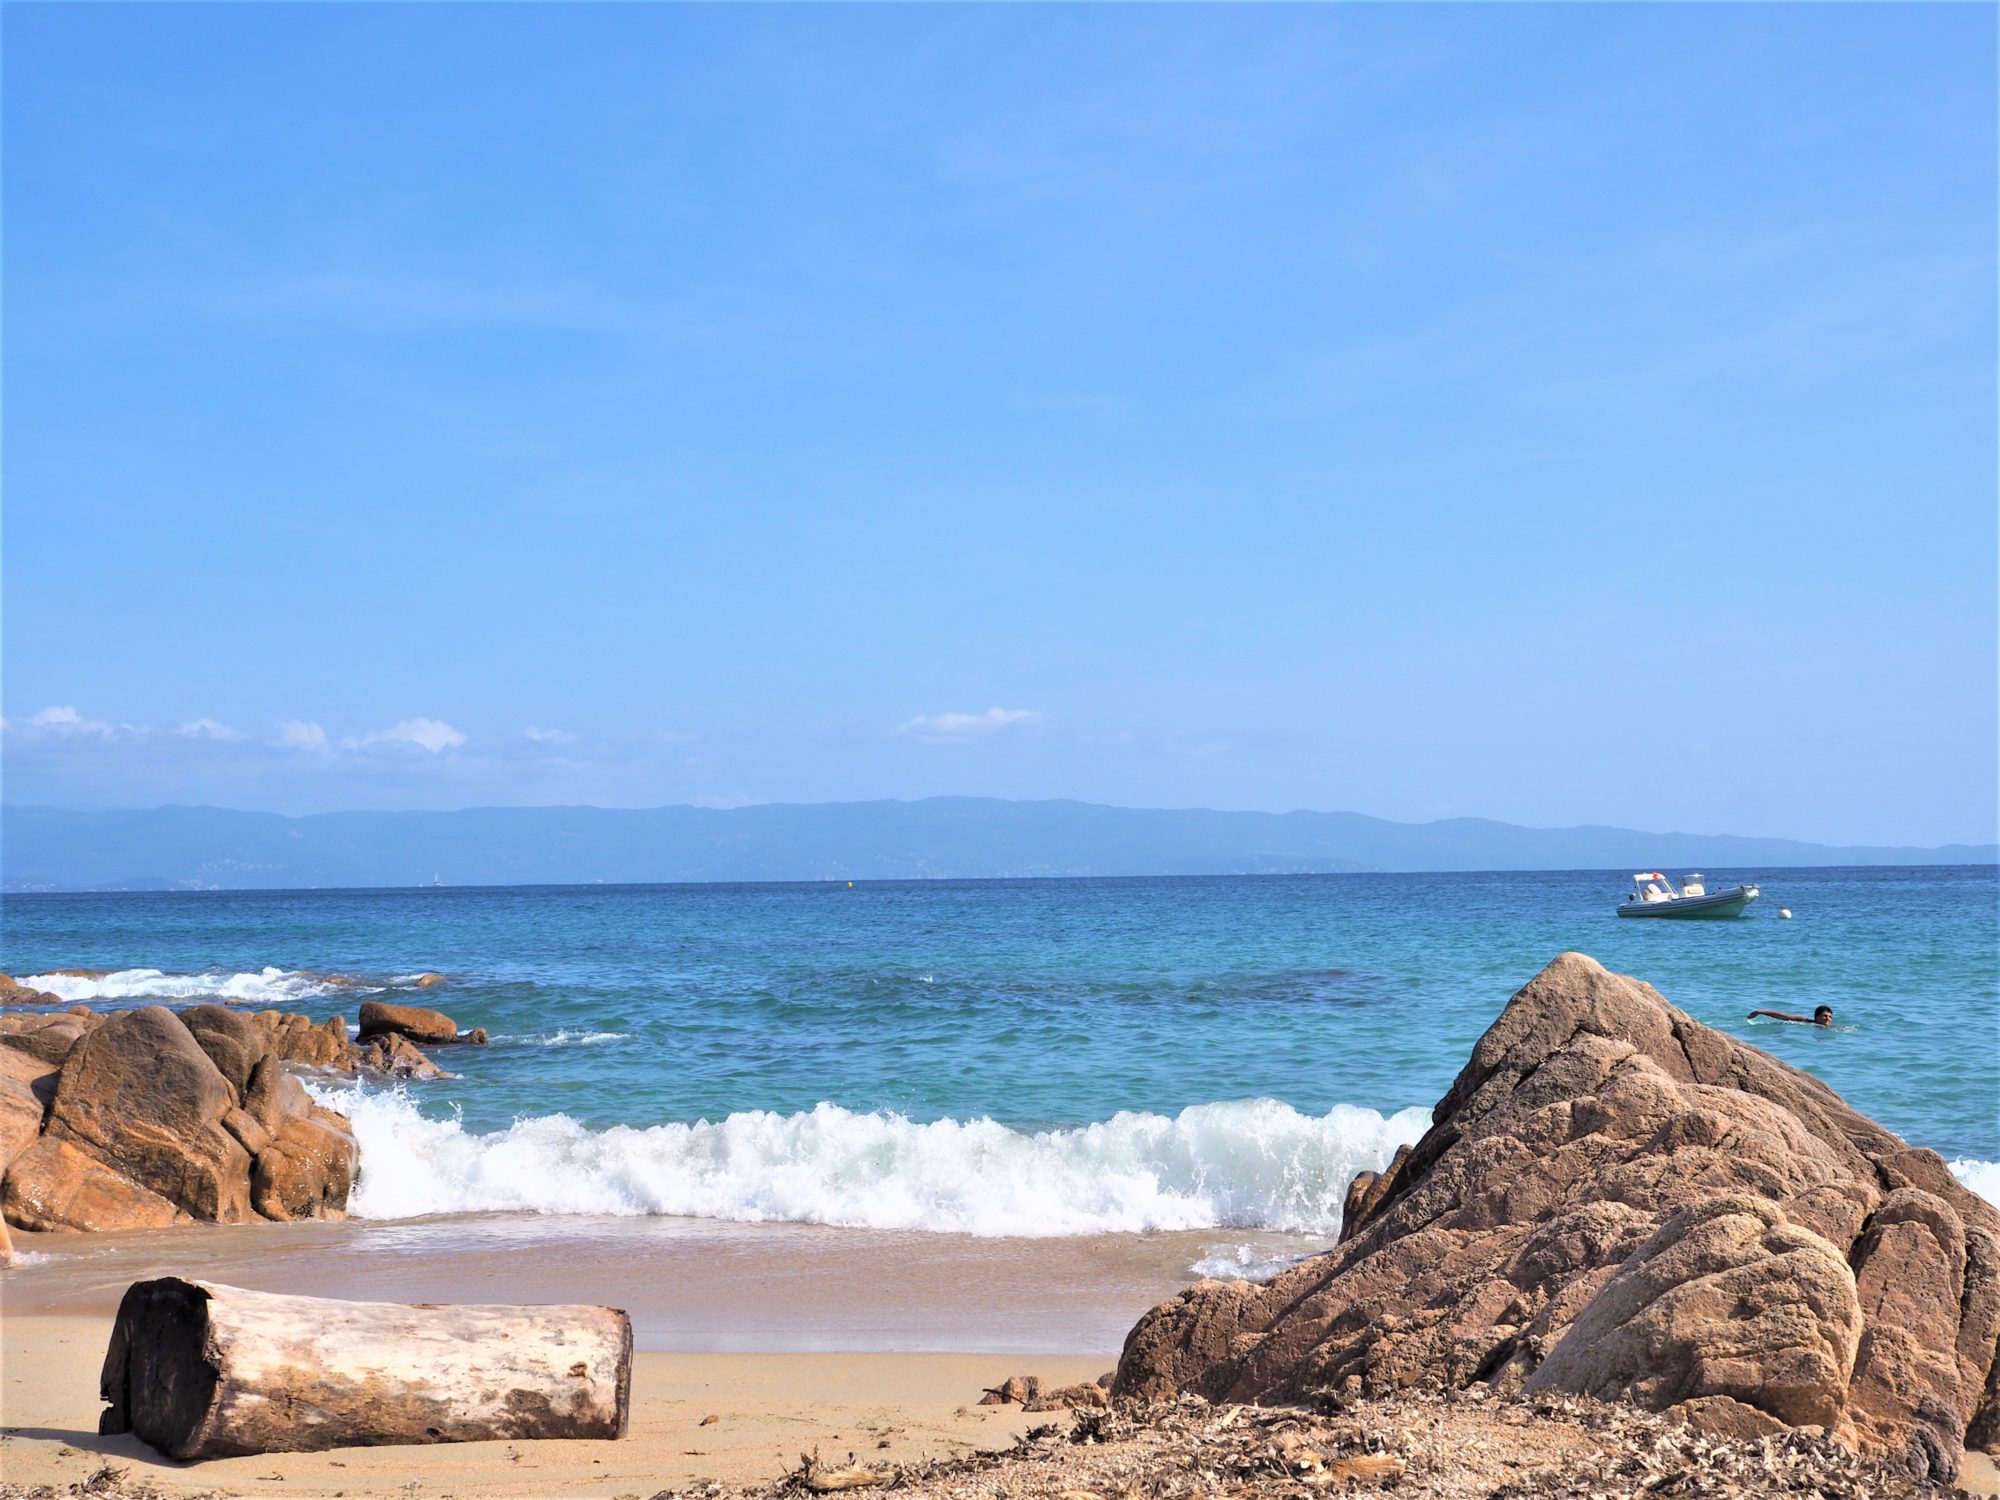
{"x":174,"y":847}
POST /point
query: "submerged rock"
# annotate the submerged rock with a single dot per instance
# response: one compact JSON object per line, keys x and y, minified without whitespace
{"x":417,"y":1022}
{"x":13,"y":992}
{"x":1617,"y":1201}
{"x":394,"y":1056}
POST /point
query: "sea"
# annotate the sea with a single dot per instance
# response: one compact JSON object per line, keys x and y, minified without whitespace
{"x":1019,"y":1058}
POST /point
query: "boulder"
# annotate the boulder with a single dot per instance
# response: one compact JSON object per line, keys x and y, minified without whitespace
{"x":307,"y":1171}
{"x":394,"y":1056}
{"x":297,"y":1039}
{"x":141,"y":1095}
{"x":305,"y":1166}
{"x":47,"y":1038}
{"x":27,"y":1084}
{"x":53,"y":1185}
{"x":13,"y":992}
{"x":233,"y":1041}
{"x":419,"y":1024}
{"x":1617,"y":1201}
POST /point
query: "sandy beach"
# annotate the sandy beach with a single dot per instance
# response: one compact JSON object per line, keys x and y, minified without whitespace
{"x":767,"y":1409}
{"x":793,"y":1338}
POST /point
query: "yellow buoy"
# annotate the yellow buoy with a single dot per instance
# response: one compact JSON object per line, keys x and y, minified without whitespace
{"x":850,"y":886}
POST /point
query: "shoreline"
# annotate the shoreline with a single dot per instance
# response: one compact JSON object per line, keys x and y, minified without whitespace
{"x":690,"y":1285}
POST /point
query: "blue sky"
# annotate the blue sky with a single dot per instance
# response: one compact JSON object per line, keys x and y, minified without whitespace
{"x":1555,"y":414}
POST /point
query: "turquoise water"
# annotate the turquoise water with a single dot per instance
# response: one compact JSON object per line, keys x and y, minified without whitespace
{"x":929,"y":1053}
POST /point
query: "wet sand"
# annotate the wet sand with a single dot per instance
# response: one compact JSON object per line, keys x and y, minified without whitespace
{"x":690,"y":1285}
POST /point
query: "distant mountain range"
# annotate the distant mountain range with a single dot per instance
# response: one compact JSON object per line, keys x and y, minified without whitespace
{"x":175,"y":848}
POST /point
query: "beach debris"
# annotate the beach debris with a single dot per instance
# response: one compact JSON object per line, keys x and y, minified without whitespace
{"x":1616,"y":1199}
{"x":201,"y":1370}
{"x":1015,"y":1390}
{"x":1029,"y":1393}
{"x":822,"y":1478}
{"x":1418,"y":1445}
{"x":708,"y":1421}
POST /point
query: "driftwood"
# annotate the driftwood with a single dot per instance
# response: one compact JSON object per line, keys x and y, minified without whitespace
{"x":199,"y":1370}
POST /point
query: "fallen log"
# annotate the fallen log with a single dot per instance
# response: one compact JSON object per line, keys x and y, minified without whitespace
{"x":199,"y":1370}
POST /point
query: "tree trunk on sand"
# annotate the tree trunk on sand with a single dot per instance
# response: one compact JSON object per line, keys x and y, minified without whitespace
{"x":199,"y":1370}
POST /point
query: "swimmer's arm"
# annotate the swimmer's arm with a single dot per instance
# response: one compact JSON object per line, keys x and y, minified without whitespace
{"x":1779,"y":1015}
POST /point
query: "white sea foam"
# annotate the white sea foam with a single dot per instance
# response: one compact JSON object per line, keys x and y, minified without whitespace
{"x":564,"y":1037}
{"x":1242,"y":1263}
{"x":269,"y":986}
{"x":1250,"y":1164}
{"x":1983,"y":1177}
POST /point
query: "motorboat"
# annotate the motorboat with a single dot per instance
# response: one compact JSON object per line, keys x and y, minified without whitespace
{"x":1653,"y":895}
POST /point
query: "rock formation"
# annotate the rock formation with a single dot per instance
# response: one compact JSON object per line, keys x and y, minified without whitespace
{"x":1617,"y":1201}
{"x":380,"y":1018}
{"x":13,"y":992}
{"x":140,"y":1119}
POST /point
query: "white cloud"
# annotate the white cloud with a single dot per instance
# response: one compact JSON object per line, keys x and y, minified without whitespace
{"x":962,"y":729}
{"x":63,"y":719}
{"x":543,"y":736}
{"x":433,"y":735}
{"x":209,"y":729}
{"x":301,"y":734}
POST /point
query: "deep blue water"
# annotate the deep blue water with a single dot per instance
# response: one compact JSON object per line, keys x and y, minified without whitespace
{"x":1057,"y":1003}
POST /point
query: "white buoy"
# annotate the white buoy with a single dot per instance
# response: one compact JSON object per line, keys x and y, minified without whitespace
{"x":1785,"y":911}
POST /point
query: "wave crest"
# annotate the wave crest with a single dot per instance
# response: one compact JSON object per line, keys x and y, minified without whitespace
{"x":1251,"y":1164}
{"x":269,"y":986}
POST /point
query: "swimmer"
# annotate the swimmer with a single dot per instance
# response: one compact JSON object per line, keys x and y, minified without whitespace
{"x":1822,"y":1016}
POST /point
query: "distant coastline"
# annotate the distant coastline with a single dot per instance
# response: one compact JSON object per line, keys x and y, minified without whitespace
{"x":201,"y":848}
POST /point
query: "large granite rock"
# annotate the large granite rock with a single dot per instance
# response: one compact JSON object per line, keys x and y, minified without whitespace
{"x":296,"y":1039}
{"x":53,"y":1185}
{"x":141,"y":1095}
{"x":143,"y":1118}
{"x":1617,"y":1201}
{"x":47,"y":1037}
{"x":307,"y":1168}
{"x":27,"y":1084}
{"x":417,"y":1022}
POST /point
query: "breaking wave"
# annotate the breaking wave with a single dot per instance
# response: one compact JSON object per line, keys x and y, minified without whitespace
{"x":1983,"y":1177}
{"x":1252,"y":1164}
{"x":271,"y":986}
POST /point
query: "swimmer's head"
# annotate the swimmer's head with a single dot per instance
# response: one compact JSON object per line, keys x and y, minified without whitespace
{"x":1822,"y":1015}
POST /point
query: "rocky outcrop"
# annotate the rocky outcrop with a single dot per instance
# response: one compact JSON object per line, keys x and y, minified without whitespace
{"x":418,"y":1023}
{"x":1617,"y":1201}
{"x":297,"y":1039}
{"x":394,"y":1056}
{"x":141,"y":1096}
{"x":143,"y":1118}
{"x":13,"y":992}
